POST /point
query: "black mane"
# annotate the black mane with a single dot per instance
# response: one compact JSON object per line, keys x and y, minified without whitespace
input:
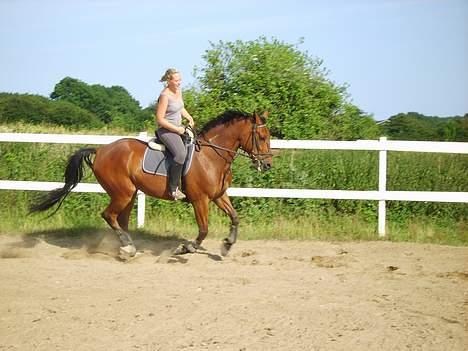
{"x":225,"y":117}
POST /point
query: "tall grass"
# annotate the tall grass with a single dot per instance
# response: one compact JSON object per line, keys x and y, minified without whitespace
{"x":261,"y":218}
{"x":164,"y":219}
{"x":21,"y":127}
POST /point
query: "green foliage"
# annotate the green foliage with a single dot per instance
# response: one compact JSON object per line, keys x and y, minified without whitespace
{"x":262,"y":74}
{"x":284,"y":218}
{"x":415,"y":126}
{"x":38,"y":109}
{"x":304,"y":104}
{"x":77,"y":105}
{"x":276,"y":76}
{"x":354,"y":170}
{"x":114,"y":105}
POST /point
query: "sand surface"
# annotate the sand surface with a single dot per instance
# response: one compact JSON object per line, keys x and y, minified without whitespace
{"x":62,"y":293}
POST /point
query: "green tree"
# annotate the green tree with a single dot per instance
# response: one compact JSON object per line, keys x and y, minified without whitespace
{"x":68,"y":114}
{"x":23,"y":107}
{"x":112,"y":105}
{"x":462,"y":128}
{"x":272,"y":75}
{"x":415,"y":126}
{"x":38,"y":109}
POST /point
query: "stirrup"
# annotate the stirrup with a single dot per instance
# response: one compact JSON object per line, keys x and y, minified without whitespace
{"x":178,"y":195}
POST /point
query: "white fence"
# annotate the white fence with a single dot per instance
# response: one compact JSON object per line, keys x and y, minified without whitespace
{"x":381,"y":195}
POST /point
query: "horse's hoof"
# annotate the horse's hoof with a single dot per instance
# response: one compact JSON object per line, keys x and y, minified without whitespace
{"x":180,"y":250}
{"x":183,"y":249}
{"x":225,"y":247}
{"x":192,"y":247}
{"x":127,"y":252}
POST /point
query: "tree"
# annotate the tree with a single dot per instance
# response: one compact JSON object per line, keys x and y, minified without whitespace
{"x":112,"y":105}
{"x":23,"y":107}
{"x":415,"y":126}
{"x":272,"y":75}
{"x":38,"y":109}
{"x":68,"y":114}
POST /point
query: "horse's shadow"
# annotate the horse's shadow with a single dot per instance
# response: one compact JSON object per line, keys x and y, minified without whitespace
{"x":104,"y":242}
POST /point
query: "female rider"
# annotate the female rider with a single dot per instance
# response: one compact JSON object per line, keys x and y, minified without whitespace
{"x":169,"y":112}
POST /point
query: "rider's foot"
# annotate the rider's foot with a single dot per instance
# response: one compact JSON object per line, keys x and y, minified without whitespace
{"x":178,"y":195}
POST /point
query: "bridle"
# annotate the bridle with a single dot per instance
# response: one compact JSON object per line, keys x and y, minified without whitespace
{"x":256,"y":156}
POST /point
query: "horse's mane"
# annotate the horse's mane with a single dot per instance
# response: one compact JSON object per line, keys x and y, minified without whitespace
{"x":226,"y":117}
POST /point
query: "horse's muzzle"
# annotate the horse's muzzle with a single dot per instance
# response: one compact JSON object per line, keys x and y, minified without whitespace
{"x":266,"y":165}
{"x":261,"y":165}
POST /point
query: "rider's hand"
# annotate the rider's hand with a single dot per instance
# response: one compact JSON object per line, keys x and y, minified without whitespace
{"x":181,"y":130}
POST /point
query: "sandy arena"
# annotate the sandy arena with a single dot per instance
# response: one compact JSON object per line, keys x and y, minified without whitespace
{"x":60,"y":293}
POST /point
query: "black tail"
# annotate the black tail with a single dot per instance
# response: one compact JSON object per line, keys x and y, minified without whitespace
{"x":73,"y":175}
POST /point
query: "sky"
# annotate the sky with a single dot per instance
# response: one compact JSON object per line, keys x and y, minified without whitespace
{"x":395,"y":56}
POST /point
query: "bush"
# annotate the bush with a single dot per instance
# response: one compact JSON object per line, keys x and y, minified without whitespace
{"x":38,"y":109}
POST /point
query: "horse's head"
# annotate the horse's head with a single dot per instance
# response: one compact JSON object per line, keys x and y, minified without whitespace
{"x":257,"y":142}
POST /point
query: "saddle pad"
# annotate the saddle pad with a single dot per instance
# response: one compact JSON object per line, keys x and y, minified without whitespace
{"x":157,"y":162}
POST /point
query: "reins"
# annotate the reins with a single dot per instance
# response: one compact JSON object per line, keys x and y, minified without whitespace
{"x":254,"y":156}
{"x":219,"y":147}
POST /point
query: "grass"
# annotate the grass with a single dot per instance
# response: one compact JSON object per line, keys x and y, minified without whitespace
{"x":280,"y":219}
{"x":330,"y":227}
{"x":21,"y":127}
{"x":428,"y":230}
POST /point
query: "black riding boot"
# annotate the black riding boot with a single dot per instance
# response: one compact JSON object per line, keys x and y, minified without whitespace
{"x":175,"y":172}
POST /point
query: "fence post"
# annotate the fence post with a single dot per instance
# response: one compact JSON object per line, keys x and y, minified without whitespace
{"x":382,"y":187}
{"x":141,"y":196}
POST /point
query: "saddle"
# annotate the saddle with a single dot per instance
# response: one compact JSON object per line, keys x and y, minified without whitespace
{"x":157,"y":159}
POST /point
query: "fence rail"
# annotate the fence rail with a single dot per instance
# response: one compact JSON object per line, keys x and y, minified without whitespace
{"x":381,"y":195}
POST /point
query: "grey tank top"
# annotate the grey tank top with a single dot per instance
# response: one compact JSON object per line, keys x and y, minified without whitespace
{"x":174,"y":109}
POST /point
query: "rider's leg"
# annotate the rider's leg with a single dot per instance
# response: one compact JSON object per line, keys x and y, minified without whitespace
{"x":175,"y":173}
{"x":176,"y":147}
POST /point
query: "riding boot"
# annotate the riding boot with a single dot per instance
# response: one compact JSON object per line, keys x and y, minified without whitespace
{"x":175,"y":172}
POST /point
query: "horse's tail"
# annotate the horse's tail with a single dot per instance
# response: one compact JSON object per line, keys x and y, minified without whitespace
{"x":73,"y":175}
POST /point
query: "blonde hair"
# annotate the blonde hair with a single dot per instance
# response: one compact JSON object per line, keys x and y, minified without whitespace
{"x":168,"y":75}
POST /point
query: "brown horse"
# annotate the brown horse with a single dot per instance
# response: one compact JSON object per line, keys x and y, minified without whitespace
{"x":118,"y":168}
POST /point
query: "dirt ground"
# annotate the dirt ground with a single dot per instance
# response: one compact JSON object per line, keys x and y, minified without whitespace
{"x":62,"y":293}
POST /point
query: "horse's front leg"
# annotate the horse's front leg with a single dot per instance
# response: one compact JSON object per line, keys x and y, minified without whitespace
{"x":224,"y":203}
{"x":201,"y":215}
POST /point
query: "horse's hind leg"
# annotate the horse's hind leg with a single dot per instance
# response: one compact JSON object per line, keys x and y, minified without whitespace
{"x":224,"y":203}
{"x":116,"y":215}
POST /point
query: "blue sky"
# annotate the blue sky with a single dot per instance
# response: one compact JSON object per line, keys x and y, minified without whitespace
{"x":395,"y":55}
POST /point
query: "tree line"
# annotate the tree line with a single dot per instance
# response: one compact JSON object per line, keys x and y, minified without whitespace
{"x":262,"y":74}
{"x":415,"y":126}
{"x":76,"y":104}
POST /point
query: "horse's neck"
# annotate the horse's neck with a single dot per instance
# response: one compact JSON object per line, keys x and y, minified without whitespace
{"x":226,"y":137}
{"x":220,"y":146}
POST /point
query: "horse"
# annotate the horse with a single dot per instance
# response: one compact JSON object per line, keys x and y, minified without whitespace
{"x":118,"y":168}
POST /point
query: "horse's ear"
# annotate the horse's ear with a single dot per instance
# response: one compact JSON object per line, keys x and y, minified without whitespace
{"x":263,"y":116}
{"x":254,"y":117}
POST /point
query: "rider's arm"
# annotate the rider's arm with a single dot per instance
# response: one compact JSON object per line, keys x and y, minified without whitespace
{"x":188,"y":117}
